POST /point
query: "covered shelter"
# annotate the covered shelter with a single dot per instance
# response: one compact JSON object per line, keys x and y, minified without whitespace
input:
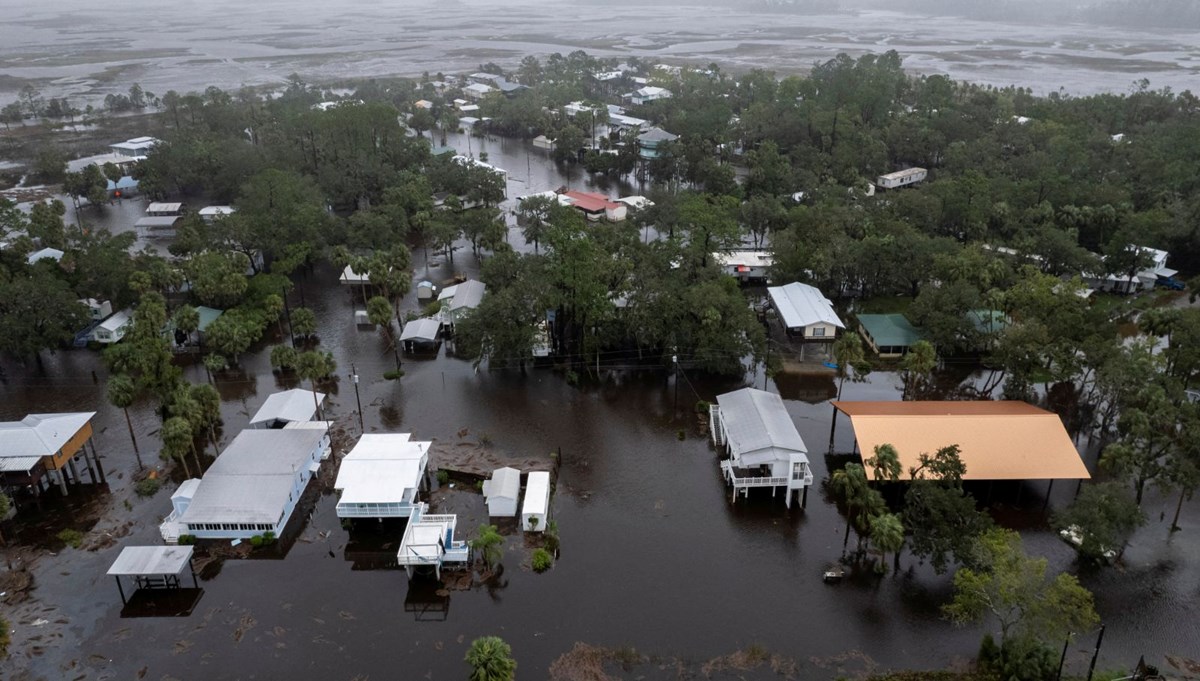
{"x":502,"y":492}
{"x":287,"y":407}
{"x":805,"y":311}
{"x":152,"y":567}
{"x":997,"y":440}
{"x":537,"y":502}
{"x":420,"y":332}
{"x":763,"y":446}
{"x":889,"y":335}
{"x":381,"y":476}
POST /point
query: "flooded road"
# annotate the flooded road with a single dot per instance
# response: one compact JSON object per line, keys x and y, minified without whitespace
{"x":84,"y":51}
{"x":654,"y":556}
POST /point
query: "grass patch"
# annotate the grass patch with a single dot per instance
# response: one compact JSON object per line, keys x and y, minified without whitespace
{"x":72,"y":538}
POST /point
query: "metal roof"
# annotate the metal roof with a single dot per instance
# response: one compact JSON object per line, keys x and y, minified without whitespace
{"x":889,"y":330}
{"x":156,"y":221}
{"x":266,"y":452}
{"x":1003,"y":440}
{"x":38,"y":435}
{"x":290,"y":405}
{"x":657,"y":135}
{"x":151,"y":560}
{"x":744,"y":257}
{"x":757,"y":420}
{"x":381,"y":467}
{"x":18,"y":464}
{"x":504,"y":484}
{"x":425,"y":330}
{"x":467,"y":295}
{"x":802,"y":305}
{"x":537,"y":493}
{"x":217,"y":211}
{"x":43,"y":254}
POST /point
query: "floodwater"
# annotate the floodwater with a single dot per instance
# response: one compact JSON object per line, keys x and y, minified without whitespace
{"x":85,"y":50}
{"x":654,"y":555}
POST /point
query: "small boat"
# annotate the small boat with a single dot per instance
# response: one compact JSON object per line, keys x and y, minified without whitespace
{"x":833,"y":574}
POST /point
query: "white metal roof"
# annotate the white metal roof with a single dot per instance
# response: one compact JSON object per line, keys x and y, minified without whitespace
{"x":757,"y":421}
{"x":504,"y":484}
{"x":115,"y":322}
{"x":381,"y":467}
{"x":151,"y":560}
{"x":38,"y":435}
{"x":467,"y":294}
{"x":537,"y":493}
{"x":164,"y":207}
{"x":425,"y":330}
{"x":743,"y":257}
{"x":42,"y":254}
{"x":290,"y":405}
{"x":187,"y":489}
{"x":266,"y":452}
{"x":803,"y":305}
{"x":636,"y":201}
{"x":901,"y":174}
{"x":18,"y":464}
{"x":349,"y":276}
{"x":216,"y":211}
{"x":156,"y":221}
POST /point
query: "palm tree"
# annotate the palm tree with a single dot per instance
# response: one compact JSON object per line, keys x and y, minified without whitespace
{"x":847,"y":354}
{"x":852,"y":490}
{"x":379,"y":313}
{"x":185,"y":406}
{"x":489,"y":544}
{"x":122,"y":393}
{"x":491,"y":660}
{"x":885,"y":465}
{"x":916,"y":367}
{"x":209,"y":401}
{"x":176,"y":435}
{"x":314,"y":365}
{"x":887,"y":534}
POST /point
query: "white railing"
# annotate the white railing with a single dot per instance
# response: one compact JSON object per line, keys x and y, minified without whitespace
{"x":439,"y":518}
{"x":398,"y":510}
{"x":756,"y":481}
{"x":715,"y":427}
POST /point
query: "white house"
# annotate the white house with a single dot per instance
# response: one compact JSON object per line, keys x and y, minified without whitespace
{"x":762,"y":443}
{"x":97,"y":309}
{"x":647,"y":94}
{"x":251,"y":488}
{"x":502,"y":492}
{"x":289,"y":406}
{"x":212,"y":213}
{"x":805,"y":311}
{"x":135,"y":148}
{"x":428,"y":541}
{"x":901,"y":178}
{"x":745,"y":265}
{"x":477,"y":91}
{"x":45,"y":254}
{"x":114,"y":328}
{"x":1144,"y":279}
{"x":458,"y":300}
{"x":536,"y":508}
{"x":164,"y":209}
{"x":382,"y":476}
{"x":420,"y":332}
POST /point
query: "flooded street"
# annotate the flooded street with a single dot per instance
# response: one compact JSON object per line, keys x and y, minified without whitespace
{"x":654,"y":556}
{"x":104,"y":49}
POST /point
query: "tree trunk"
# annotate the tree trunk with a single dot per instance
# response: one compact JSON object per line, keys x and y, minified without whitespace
{"x":896,"y":560}
{"x":196,"y":458}
{"x":846,"y":538}
{"x":1178,"y":507}
{"x":183,"y":462}
{"x":136,"y":452}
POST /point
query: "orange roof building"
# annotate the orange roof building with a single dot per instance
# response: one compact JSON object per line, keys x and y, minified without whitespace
{"x":1003,"y":440}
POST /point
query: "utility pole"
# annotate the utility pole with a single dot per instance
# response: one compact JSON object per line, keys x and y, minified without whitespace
{"x":1062,"y":660}
{"x":357,"y":398}
{"x":288,"y":309}
{"x":1096,"y":654}
{"x":675,"y":408}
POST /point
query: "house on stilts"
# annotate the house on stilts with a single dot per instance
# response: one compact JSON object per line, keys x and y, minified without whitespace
{"x":764,"y":449}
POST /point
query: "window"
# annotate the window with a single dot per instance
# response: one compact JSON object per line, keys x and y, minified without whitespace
{"x":818,"y":332}
{"x":797,"y":471}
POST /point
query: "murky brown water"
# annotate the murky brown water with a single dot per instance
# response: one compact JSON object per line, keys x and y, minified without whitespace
{"x":653,"y":554}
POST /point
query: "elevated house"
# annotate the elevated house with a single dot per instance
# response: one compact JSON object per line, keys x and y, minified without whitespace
{"x":429,"y":542}
{"x":889,"y":335}
{"x":477,"y":91}
{"x":762,"y":445}
{"x":804,"y":311}
{"x":45,"y":254}
{"x":134,"y":149}
{"x":252,"y":488}
{"x":289,"y":406}
{"x":382,"y":476}
{"x":459,"y":300}
{"x":745,"y":265}
{"x":43,"y":449}
{"x":901,"y":178}
{"x":650,"y":141}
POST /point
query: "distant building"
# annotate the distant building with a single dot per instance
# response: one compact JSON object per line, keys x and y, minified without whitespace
{"x":901,"y":178}
{"x":596,"y":206}
{"x":477,"y":91}
{"x":647,"y":94}
{"x":745,"y":265}
{"x":213,"y":213}
{"x":805,"y":311}
{"x":113,"y":329}
{"x":650,"y":141}
{"x":45,"y":254}
{"x":134,"y":149}
{"x":459,"y":300}
{"x":290,"y":406}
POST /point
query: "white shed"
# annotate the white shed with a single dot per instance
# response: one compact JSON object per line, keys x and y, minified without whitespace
{"x":537,"y":502}
{"x":502,"y":492}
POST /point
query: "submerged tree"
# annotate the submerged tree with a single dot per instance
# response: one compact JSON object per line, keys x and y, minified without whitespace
{"x":1103,"y":516}
{"x":489,"y":543}
{"x":122,"y":393}
{"x":491,"y":660}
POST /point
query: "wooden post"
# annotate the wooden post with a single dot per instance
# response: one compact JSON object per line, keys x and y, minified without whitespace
{"x":804,"y":498}
{"x":1046,"y":503}
{"x":121,"y":589}
{"x":62,"y":482}
{"x":74,"y":471}
{"x":88,"y":462}
{"x":96,"y":457}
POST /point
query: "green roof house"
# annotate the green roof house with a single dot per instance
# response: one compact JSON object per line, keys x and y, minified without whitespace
{"x":889,"y":335}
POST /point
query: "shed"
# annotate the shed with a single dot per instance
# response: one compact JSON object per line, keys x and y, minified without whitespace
{"x":286,"y":407}
{"x":460,"y":299}
{"x":502,"y":492}
{"x":804,"y":310}
{"x":211,"y":213}
{"x":426,"y":290}
{"x":161,"y":208}
{"x":536,"y":508}
{"x":114,"y":328}
{"x":889,"y":335}
{"x":152,"y":567}
{"x":424,"y":331}
{"x":745,"y":265}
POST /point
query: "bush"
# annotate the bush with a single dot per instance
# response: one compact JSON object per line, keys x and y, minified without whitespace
{"x":187,"y":539}
{"x":4,"y":638}
{"x":72,"y":538}
{"x":256,"y":541}
{"x":268,"y":537}
{"x":1023,"y":659}
{"x":148,"y":487}
{"x":681,"y":435}
{"x":443,"y":477}
{"x":542,"y":560}
{"x":392,"y":374}
{"x":702,"y":406}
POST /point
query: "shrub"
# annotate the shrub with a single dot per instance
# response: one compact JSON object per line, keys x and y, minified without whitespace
{"x":443,"y":477}
{"x":491,"y":660}
{"x":148,"y":487}
{"x":268,"y":537}
{"x":70,"y":537}
{"x":485,"y":440}
{"x":4,"y":638}
{"x":542,"y":560}
{"x":681,"y":435}
{"x":256,"y":541}
{"x":187,"y":539}
{"x":392,"y":374}
{"x":550,"y":536}
{"x":702,"y":406}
